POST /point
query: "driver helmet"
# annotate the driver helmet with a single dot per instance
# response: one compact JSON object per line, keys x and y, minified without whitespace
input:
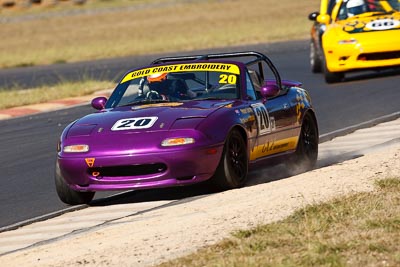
{"x":158,"y":82}
{"x":158,"y":77}
{"x":356,"y":7}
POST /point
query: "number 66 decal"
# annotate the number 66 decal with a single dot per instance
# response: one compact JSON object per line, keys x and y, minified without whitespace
{"x":134,"y":123}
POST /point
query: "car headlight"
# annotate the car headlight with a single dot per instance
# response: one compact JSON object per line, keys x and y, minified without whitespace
{"x":177,"y":141}
{"x":76,"y":148}
{"x":349,"y":41}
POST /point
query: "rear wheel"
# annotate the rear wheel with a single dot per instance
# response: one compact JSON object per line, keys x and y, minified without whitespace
{"x":306,"y":154}
{"x":315,"y":60}
{"x":233,"y":167}
{"x":66,"y":194}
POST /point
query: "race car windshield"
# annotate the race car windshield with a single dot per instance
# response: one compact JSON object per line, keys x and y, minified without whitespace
{"x":350,"y":8}
{"x":178,"y":82}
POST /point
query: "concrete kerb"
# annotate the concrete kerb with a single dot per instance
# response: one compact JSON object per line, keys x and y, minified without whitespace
{"x":344,"y":131}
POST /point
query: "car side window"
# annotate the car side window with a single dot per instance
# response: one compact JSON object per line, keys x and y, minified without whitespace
{"x":251,"y":94}
{"x":331,"y":5}
{"x":342,"y":15}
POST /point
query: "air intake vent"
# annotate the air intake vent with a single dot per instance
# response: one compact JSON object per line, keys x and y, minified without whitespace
{"x":129,"y":170}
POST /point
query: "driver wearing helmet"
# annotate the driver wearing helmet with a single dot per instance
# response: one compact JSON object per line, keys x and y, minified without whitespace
{"x":356,"y":7}
{"x":158,"y":87}
{"x":162,"y":87}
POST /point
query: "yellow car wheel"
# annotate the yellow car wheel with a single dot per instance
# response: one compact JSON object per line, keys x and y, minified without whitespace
{"x":332,"y":77}
{"x":315,"y":60}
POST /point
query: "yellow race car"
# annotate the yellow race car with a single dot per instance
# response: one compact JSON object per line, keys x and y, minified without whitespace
{"x":350,"y":35}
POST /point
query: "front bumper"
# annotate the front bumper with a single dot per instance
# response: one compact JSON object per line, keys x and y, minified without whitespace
{"x":140,"y":171}
{"x":363,"y":51}
{"x":343,"y":60}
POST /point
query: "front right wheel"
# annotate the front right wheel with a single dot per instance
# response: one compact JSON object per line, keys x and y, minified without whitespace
{"x":66,"y":194}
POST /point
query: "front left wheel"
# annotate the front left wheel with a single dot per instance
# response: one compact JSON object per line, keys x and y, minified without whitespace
{"x":233,"y":167}
{"x":66,"y":194}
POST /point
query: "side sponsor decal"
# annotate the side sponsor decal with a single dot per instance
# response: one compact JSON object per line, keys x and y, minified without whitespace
{"x":134,"y":123}
{"x":217,"y":67}
{"x":263,"y":120}
{"x":301,"y":100}
{"x":273,"y":147}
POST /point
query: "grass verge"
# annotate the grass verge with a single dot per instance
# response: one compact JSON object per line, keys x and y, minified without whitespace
{"x":359,"y":230}
{"x":142,"y":27}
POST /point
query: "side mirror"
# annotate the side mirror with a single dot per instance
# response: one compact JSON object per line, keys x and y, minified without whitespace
{"x":99,"y":102}
{"x":313,"y":16}
{"x":269,"y":90}
{"x":324,"y":19}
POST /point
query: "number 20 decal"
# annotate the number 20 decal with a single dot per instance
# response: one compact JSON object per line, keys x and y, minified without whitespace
{"x":224,"y":78}
{"x":134,"y":123}
{"x":263,"y":121}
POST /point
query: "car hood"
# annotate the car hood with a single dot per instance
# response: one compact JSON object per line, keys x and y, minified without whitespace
{"x":142,"y":118}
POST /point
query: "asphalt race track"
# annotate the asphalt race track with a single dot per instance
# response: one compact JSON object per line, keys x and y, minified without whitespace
{"x":28,"y":143}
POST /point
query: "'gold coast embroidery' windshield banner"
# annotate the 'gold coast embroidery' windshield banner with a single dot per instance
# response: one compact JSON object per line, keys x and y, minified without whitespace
{"x":217,"y":67}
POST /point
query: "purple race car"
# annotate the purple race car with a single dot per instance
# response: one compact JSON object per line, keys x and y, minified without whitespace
{"x":185,"y":120}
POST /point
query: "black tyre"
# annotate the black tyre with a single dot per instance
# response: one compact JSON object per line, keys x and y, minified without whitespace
{"x":67,"y":195}
{"x":305,"y":157}
{"x":233,"y":167}
{"x":315,"y":60}
{"x":332,"y":77}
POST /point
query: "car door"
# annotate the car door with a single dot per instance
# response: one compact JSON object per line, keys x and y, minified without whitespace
{"x":274,"y":120}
